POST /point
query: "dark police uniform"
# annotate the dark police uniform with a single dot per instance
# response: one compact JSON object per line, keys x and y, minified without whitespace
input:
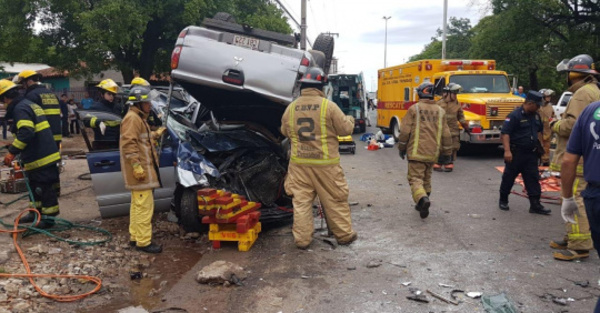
{"x":523,"y":130}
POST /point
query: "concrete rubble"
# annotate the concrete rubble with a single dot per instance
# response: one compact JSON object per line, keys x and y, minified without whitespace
{"x":220,"y":272}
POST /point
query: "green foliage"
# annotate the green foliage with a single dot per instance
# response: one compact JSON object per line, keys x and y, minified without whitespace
{"x":458,"y":41}
{"x":527,"y":38}
{"x":134,"y":36}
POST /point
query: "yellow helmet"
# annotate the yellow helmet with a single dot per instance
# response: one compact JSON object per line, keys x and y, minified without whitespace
{"x":138,"y":81}
{"x":108,"y":85}
{"x":24,"y":75}
{"x":6,"y":85}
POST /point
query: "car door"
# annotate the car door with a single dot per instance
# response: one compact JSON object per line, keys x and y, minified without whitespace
{"x":561,"y":105}
{"x":107,"y":180}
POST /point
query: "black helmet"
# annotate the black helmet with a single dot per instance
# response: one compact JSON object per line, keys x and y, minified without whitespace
{"x":314,"y":76}
{"x":582,"y":63}
{"x":139,"y":94}
{"x":425,"y":90}
{"x":452,"y":88}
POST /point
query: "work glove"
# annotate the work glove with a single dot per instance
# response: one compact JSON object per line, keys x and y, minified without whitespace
{"x":402,"y":154}
{"x":8,"y":159}
{"x":138,"y":172}
{"x":552,"y":125}
{"x":159,"y":132}
{"x":102,"y":127}
{"x":568,"y":209}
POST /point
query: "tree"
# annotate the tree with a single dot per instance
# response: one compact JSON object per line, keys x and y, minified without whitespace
{"x":135,"y":36}
{"x":458,"y":41}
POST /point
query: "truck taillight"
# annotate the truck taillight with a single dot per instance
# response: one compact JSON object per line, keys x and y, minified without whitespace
{"x":183,"y":33}
{"x":305,"y":61}
{"x":175,"y":57}
{"x":476,"y":130}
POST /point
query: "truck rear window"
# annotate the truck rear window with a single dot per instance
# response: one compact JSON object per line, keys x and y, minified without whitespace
{"x":482,"y":83}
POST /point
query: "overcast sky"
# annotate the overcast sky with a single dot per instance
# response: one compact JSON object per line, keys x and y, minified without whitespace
{"x":361,"y":28}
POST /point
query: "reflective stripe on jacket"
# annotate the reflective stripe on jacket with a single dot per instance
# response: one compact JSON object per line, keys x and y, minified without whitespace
{"x":90,"y":120}
{"x":454,"y":115}
{"x":424,"y":132}
{"x":33,"y":135}
{"x":313,"y":125}
{"x":584,"y":93}
{"x":49,"y":103}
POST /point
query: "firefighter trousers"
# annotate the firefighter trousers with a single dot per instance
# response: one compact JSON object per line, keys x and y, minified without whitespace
{"x":328,"y":182}
{"x":455,"y":148}
{"x":419,"y":179}
{"x":140,"y":217}
{"x":579,"y":236}
{"x":43,"y":183}
{"x":546,"y":156}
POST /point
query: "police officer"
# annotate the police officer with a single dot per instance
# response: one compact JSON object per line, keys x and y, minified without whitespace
{"x":454,"y":117}
{"x":521,"y":138}
{"x":584,"y":141}
{"x":547,"y":114}
{"x":582,"y":82}
{"x":313,"y":124}
{"x":422,"y":130}
{"x":39,"y":154}
{"x":106,"y":133}
{"x":39,"y":94}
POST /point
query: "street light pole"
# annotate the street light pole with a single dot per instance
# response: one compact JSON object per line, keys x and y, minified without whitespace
{"x":445,"y":29}
{"x":386,"y":18}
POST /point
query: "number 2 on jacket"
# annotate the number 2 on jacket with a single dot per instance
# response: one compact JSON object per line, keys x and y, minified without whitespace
{"x":307,"y":126}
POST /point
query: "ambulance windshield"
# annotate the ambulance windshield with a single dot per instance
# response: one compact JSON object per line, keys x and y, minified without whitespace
{"x":489,"y":83}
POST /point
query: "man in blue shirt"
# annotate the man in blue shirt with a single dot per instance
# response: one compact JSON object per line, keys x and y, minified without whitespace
{"x":86,"y":102}
{"x":520,"y":92}
{"x":584,"y":141}
{"x":521,"y":137}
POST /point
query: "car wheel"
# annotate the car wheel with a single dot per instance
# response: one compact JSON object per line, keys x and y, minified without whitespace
{"x":190,"y":218}
{"x":223,"y":16}
{"x":325,"y":44}
{"x":396,"y":130}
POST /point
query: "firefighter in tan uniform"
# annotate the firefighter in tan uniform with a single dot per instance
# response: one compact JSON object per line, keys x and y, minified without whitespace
{"x":313,"y":124}
{"x":454,"y":116}
{"x":423,"y":134}
{"x":583,"y":83}
{"x":547,"y":113}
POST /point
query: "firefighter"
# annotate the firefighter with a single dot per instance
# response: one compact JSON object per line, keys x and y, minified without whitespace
{"x":39,"y":94}
{"x":39,"y":154}
{"x":521,"y":139}
{"x":582,"y":82}
{"x":140,"y":165}
{"x":106,"y":133}
{"x":424,"y":134}
{"x":313,"y":124}
{"x":547,"y":114}
{"x":153,"y":119}
{"x":454,"y":116}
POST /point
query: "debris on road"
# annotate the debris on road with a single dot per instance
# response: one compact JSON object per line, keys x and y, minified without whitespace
{"x":498,"y":304}
{"x":583,"y":284}
{"x":351,"y":268}
{"x":445,"y":285}
{"x":407,"y":283}
{"x":418,"y":298}
{"x":353,"y":203}
{"x":220,"y":272}
{"x":474,"y":294}
{"x":561,"y":301}
{"x":374,"y":263}
{"x":439,"y":296}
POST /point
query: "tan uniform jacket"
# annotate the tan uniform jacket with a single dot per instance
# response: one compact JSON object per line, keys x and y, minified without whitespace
{"x":313,"y":125}
{"x":584,"y":93}
{"x":136,"y":147}
{"x":454,"y":115}
{"x":424,"y":132}
{"x":547,"y":113}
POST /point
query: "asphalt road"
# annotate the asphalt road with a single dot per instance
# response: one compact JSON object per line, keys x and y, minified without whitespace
{"x":466,"y":242}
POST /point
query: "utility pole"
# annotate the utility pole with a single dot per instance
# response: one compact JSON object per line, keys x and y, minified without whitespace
{"x":445,"y":29}
{"x":303,"y":26}
{"x":386,"y":18}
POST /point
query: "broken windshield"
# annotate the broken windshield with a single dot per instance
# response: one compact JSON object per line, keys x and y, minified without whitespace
{"x":492,"y":83}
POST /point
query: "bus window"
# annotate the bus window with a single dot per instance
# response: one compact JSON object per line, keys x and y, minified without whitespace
{"x":406,"y":94}
{"x":440,"y":83}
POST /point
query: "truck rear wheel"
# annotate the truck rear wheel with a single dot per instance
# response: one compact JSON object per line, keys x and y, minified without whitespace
{"x":325,"y":44}
{"x":395,"y":130}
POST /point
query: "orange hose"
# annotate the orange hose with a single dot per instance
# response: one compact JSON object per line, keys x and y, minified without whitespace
{"x":59,"y":298}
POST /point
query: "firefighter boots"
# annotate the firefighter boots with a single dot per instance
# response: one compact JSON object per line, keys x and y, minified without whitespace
{"x":350,"y":240}
{"x":558,"y":244}
{"x":423,"y":207}
{"x":151,"y":248}
{"x":571,"y":255}
{"x":448,"y":167}
{"x":536,"y":207}
{"x":437,"y":167}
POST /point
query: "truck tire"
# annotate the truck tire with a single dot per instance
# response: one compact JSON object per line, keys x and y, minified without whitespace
{"x":318,"y":57}
{"x":395,"y":127}
{"x":224,"y":16}
{"x":325,"y":44}
{"x":189,"y":217}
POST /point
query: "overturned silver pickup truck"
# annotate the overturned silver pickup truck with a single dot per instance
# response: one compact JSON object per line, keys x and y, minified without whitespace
{"x":244,"y":78}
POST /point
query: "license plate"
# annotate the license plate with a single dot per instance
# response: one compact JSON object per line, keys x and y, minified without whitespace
{"x":246,"y":42}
